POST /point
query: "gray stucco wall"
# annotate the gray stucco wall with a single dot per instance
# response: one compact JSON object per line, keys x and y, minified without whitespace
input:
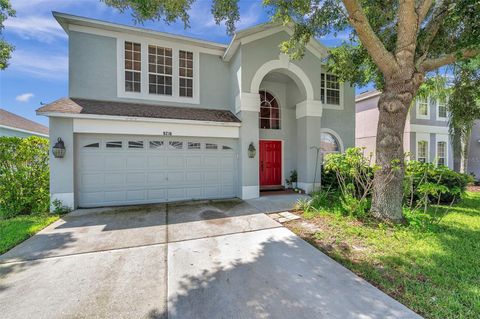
{"x":256,"y":53}
{"x":62,"y":169}
{"x":93,"y":73}
{"x":343,"y":121}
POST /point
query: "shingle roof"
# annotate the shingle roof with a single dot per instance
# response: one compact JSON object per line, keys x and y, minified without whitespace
{"x":112,"y":108}
{"x":17,"y":122}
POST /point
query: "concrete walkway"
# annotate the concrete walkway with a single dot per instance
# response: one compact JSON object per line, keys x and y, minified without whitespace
{"x":216,"y":259}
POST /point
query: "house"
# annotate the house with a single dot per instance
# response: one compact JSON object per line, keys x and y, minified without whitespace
{"x":426,"y":135}
{"x":15,"y":125}
{"x":157,"y":117}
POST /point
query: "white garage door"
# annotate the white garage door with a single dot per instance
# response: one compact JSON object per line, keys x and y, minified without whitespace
{"x":119,"y":169}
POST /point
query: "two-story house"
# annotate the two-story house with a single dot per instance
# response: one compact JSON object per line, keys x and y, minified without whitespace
{"x":426,"y":136}
{"x":156,"y":117}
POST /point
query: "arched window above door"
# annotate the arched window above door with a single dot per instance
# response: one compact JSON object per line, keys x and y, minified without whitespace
{"x":269,"y":111}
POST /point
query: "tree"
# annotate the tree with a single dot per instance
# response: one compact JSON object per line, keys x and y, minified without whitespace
{"x":395,"y":43}
{"x":464,"y":108}
{"x":6,"y":49}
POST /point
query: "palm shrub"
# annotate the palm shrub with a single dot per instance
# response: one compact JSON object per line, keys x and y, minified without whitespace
{"x":24,"y":176}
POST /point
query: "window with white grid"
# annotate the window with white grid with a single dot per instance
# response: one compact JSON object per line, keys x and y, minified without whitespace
{"x":159,"y":70}
{"x":422,"y":151}
{"x":330,"y":89}
{"x":132,"y":67}
{"x":185,"y":73}
{"x":442,"y":153}
{"x":422,"y":108}
{"x":441,"y":109}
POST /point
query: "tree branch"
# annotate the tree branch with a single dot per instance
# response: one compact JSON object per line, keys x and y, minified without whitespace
{"x":384,"y":60}
{"x":407,"y":28}
{"x":433,"y":64}
{"x":423,"y":9}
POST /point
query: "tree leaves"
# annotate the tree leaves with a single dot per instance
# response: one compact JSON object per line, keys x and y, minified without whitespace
{"x":6,"y":49}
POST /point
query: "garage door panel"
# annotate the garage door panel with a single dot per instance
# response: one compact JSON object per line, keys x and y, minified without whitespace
{"x":117,"y":178}
{"x":137,"y":195}
{"x":91,"y":162}
{"x":175,"y":162}
{"x":115,"y":196}
{"x":195,"y":193}
{"x":156,"y":178}
{"x":155,"y":162}
{"x":114,"y":161}
{"x":136,"y":178}
{"x":194,"y":162}
{"x":159,"y":173}
{"x":157,"y":194}
{"x":136,"y":162}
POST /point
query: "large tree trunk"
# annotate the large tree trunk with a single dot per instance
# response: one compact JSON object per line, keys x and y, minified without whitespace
{"x":388,"y":180}
{"x":457,"y":150}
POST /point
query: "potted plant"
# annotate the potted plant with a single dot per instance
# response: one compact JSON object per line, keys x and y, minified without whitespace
{"x":293,"y":178}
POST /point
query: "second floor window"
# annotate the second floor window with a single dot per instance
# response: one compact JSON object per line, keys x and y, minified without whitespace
{"x":330,"y":89}
{"x":422,"y":108}
{"x":186,"y":73}
{"x":159,"y":70}
{"x":442,"y":108}
{"x":422,"y":151}
{"x":441,"y":153}
{"x":133,"y":67}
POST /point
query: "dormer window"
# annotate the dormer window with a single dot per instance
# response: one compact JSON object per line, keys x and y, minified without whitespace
{"x":133,"y":67}
{"x":159,"y":70}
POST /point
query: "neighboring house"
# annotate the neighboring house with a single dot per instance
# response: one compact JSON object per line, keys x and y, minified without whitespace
{"x":15,"y":125}
{"x":426,"y":135}
{"x":473,"y":165}
{"x":156,"y":117}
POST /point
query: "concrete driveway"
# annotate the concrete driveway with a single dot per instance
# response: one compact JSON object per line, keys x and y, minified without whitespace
{"x":223,"y":259}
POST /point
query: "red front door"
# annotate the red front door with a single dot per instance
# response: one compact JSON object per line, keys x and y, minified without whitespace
{"x":270,"y":163}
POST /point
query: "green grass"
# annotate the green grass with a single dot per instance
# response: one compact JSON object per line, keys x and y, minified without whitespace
{"x":17,"y":229}
{"x":433,"y":268}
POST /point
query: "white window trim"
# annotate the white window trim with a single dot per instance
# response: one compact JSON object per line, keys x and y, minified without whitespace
{"x":144,"y":92}
{"x":341,"y":88}
{"x":422,"y":137}
{"x":443,"y":119}
{"x":442,"y":138}
{"x":421,"y":116}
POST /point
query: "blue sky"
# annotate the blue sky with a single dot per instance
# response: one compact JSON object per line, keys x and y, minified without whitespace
{"x":38,"y":70}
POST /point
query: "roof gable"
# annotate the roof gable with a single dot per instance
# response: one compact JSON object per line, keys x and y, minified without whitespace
{"x":19,"y":123}
{"x":267,"y":29}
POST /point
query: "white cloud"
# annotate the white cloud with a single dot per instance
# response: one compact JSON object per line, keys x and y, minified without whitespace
{"x":40,"y":64}
{"x":43,"y":29}
{"x":25,"y":97}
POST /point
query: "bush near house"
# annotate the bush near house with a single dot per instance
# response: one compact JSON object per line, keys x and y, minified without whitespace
{"x":351,"y":174}
{"x":24,"y":176}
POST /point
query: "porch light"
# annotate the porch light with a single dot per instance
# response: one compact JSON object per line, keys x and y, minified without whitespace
{"x":251,"y":150}
{"x":58,"y":149}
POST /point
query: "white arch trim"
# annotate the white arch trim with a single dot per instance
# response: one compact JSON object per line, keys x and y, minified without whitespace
{"x":335,"y":134}
{"x":281,"y":64}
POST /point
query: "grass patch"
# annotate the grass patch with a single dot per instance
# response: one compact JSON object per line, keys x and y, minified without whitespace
{"x":433,"y":268}
{"x":17,"y":229}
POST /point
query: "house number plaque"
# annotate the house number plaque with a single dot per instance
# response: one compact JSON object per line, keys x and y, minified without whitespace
{"x":166,"y":133}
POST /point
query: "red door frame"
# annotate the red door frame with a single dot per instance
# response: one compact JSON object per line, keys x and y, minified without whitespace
{"x":270,"y":163}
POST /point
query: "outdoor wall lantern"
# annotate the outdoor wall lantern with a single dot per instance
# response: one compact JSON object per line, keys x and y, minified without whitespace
{"x":251,"y":150}
{"x":58,"y":149}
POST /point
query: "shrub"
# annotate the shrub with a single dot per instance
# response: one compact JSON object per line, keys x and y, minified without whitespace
{"x":24,"y":176}
{"x":426,"y":183}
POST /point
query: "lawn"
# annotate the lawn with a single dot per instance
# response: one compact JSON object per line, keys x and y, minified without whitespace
{"x":15,"y":230}
{"x":434,"y":269}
